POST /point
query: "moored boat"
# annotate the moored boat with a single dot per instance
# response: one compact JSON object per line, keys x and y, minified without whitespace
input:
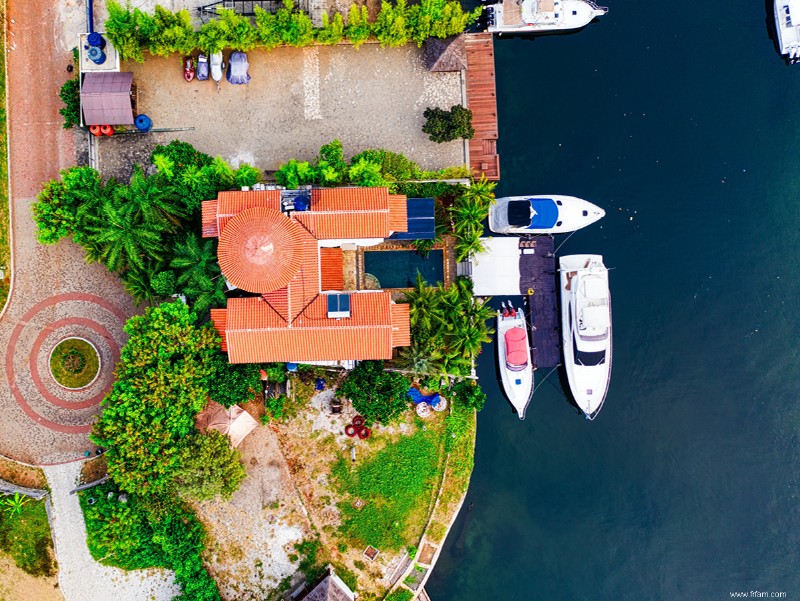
{"x":549,"y":214}
{"x":540,"y":16}
{"x":787,"y":24}
{"x":514,"y":358}
{"x":586,"y":329}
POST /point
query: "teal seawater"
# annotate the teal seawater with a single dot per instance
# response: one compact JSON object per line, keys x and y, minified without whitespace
{"x":682,"y":117}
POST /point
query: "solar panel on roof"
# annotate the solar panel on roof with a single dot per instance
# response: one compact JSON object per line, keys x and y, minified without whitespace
{"x":421,"y":223}
{"x":338,"y":306}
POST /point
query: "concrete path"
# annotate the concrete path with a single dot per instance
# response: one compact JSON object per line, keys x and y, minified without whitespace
{"x":80,"y":577}
{"x":55,"y":294}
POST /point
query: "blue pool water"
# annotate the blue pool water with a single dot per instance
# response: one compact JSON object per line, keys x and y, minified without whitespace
{"x":398,"y":268}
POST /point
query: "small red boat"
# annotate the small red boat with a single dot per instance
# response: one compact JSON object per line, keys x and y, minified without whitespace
{"x":188,"y":68}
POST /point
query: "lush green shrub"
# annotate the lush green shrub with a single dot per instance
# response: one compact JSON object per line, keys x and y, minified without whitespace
{"x":229,"y":30}
{"x":70,"y":95}
{"x":366,"y":173}
{"x":129,"y":30}
{"x":295,"y":26}
{"x":439,"y":19}
{"x":469,"y":394}
{"x":394,"y":166}
{"x":209,"y":467}
{"x":358,"y":28}
{"x":25,"y":537}
{"x":294,"y":174}
{"x":163,"y":283}
{"x":331,"y":165}
{"x":230,"y":384}
{"x":268,"y":29}
{"x":445,"y":126}
{"x":392,"y":27}
{"x":332,"y":31}
{"x":276,"y":372}
{"x":378,"y":395}
{"x":400,"y":594}
{"x":275,"y":409}
{"x":172,"y":32}
{"x":246,"y":175}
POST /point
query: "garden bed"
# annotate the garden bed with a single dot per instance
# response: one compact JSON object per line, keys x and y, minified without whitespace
{"x":74,"y":363}
{"x":22,"y":475}
{"x":25,"y":536}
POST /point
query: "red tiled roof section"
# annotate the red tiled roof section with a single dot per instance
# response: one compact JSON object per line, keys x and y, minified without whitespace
{"x":349,"y":199}
{"x":209,"y":219}
{"x":331,"y":268}
{"x":260,"y":250}
{"x":306,"y":284}
{"x":219,"y":317}
{"x":398,"y":213}
{"x":255,"y":335}
{"x":233,"y":202}
{"x":401,"y":325}
{"x":345,"y":226}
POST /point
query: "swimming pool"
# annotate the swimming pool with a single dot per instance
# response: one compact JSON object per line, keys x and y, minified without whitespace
{"x":398,"y":268}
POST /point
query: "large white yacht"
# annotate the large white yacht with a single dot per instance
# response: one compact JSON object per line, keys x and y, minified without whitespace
{"x":787,"y":22}
{"x":514,"y":357}
{"x":540,"y":16}
{"x":550,"y":214}
{"x":586,"y":329}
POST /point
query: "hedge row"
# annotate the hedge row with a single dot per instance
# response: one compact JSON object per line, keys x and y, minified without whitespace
{"x":132,"y":31}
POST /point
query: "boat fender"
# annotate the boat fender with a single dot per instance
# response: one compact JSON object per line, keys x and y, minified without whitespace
{"x":350,"y":430}
{"x":358,"y":421}
{"x":364,"y":433}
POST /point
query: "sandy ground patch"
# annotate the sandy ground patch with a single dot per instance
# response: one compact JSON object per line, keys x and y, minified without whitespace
{"x":252,"y":536}
{"x":16,"y":585}
{"x":301,"y":98}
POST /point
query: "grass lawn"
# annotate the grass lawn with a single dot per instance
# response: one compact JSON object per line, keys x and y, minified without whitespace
{"x":74,"y":363}
{"x":5,"y":243}
{"x":25,"y":537}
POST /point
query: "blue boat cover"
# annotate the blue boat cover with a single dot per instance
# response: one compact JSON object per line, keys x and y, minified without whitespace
{"x":545,"y":213}
{"x":417,"y":397}
{"x":421,"y":223}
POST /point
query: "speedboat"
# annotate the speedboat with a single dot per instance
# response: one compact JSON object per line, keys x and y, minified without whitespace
{"x":514,"y":357}
{"x":553,"y":214}
{"x":540,"y":16}
{"x":586,"y":329}
{"x":787,"y":23}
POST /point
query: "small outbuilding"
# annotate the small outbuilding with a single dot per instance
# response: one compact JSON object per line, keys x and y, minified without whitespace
{"x":235,"y":422}
{"x":331,"y":588}
{"x":443,"y":55}
{"x":106,"y":99}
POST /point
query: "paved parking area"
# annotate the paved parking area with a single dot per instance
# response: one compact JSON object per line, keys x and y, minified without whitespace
{"x":301,"y":98}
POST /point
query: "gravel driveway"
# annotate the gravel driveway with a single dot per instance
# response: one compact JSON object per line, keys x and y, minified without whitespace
{"x":80,"y":577}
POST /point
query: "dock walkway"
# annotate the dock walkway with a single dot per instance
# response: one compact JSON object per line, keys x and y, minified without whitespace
{"x":537,"y":266}
{"x":482,"y":101}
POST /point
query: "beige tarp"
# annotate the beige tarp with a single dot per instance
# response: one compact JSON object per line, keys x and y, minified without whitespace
{"x":235,"y":422}
{"x":547,"y":6}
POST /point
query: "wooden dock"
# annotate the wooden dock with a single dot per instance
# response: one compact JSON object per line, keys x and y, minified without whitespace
{"x":482,"y":101}
{"x":537,"y":266}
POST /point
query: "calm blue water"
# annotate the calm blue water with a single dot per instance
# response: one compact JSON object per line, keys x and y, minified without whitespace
{"x":682,"y":117}
{"x":399,"y":268}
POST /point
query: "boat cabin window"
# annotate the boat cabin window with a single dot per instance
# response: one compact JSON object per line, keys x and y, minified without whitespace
{"x":588,"y":359}
{"x":559,"y":203}
{"x":574,"y":12}
{"x":585,"y":213}
{"x":558,"y":223}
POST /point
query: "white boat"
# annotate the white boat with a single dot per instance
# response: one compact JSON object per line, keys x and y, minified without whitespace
{"x":586,"y":329}
{"x":548,"y":214}
{"x":540,"y":16}
{"x":787,"y":23}
{"x":514,"y":358}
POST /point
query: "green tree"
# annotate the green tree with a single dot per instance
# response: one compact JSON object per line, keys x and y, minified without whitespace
{"x":230,"y":384}
{"x":173,"y":32}
{"x":209,"y":467}
{"x":358,"y":28}
{"x":445,"y":126}
{"x":378,"y":395}
{"x":332,"y":31}
{"x":469,"y":394}
{"x":229,"y":30}
{"x":246,"y":175}
{"x":137,"y":283}
{"x":199,"y":276}
{"x":295,"y":26}
{"x":367,"y":173}
{"x":268,"y":29}
{"x":128,"y":30}
{"x":392,"y":28}
{"x":151,"y":201}
{"x":294,"y":174}
{"x":71,"y":97}
{"x":163,"y":283}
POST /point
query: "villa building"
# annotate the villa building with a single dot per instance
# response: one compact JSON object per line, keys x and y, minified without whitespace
{"x":284,"y":250}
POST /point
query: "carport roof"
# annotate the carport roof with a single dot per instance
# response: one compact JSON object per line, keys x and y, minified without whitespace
{"x":106,"y":99}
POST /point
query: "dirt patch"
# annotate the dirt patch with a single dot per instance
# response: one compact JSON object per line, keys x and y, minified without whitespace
{"x":94,"y":469}
{"x":16,"y":585}
{"x":22,"y":475}
{"x":428,"y":551}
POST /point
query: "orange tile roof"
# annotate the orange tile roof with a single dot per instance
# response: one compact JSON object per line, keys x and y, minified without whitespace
{"x":401,"y":325}
{"x":349,"y":199}
{"x":345,"y":226}
{"x":331,"y":268}
{"x":260,"y":250}
{"x":219,"y":318}
{"x":398,"y":213}
{"x":209,"y":219}
{"x":306,"y":284}
{"x":254,"y":333}
{"x":233,"y":202}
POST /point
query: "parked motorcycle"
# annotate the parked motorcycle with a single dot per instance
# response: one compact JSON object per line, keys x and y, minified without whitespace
{"x":188,"y":68}
{"x":202,"y":67}
{"x":217,"y":67}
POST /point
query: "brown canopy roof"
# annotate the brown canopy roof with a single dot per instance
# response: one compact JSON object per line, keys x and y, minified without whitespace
{"x":235,"y":422}
{"x":449,"y":54}
{"x":106,"y":99}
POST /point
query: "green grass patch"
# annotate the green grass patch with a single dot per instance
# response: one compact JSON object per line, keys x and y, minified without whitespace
{"x":400,"y":594}
{"x":25,"y":537}
{"x":396,"y":484}
{"x":5,"y":241}
{"x":74,"y":363}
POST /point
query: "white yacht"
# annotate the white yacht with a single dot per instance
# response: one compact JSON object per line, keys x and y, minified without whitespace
{"x":787,"y":23}
{"x":586,"y":329}
{"x":540,"y":16}
{"x":549,"y":214}
{"x":514,"y":357}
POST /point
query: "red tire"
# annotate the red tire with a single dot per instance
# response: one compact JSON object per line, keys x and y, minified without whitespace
{"x":107,"y":130}
{"x":358,"y":421}
{"x":364,"y":433}
{"x":95,"y":130}
{"x":350,"y":430}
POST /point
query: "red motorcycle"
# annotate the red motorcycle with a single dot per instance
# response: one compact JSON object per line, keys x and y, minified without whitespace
{"x":188,"y":68}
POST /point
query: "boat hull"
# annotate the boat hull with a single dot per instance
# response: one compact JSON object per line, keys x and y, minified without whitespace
{"x":588,"y":383}
{"x":512,"y":17}
{"x":517,"y":385}
{"x":573,"y":214}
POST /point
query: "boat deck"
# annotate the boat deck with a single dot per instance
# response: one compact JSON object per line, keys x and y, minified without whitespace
{"x":482,"y":101}
{"x":537,"y":266}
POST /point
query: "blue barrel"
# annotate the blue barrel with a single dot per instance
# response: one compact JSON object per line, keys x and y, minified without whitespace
{"x":143,"y":123}
{"x":95,"y":39}
{"x":96,"y":55}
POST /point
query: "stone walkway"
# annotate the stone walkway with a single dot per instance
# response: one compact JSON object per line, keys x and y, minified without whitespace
{"x":55,"y":294}
{"x":79,"y":576}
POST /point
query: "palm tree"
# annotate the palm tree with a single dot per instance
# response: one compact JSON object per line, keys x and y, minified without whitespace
{"x":195,"y":260}
{"x":151,"y":200}
{"x":121,"y":242}
{"x":137,"y":283}
{"x":205,"y":294}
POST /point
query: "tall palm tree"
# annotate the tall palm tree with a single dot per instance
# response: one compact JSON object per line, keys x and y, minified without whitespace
{"x":151,"y":200}
{"x":137,"y":283}
{"x":195,"y":260}
{"x":121,"y":242}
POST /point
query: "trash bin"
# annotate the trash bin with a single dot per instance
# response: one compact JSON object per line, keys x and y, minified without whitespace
{"x":95,"y":39}
{"x":97,"y":56}
{"x":143,"y":123}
